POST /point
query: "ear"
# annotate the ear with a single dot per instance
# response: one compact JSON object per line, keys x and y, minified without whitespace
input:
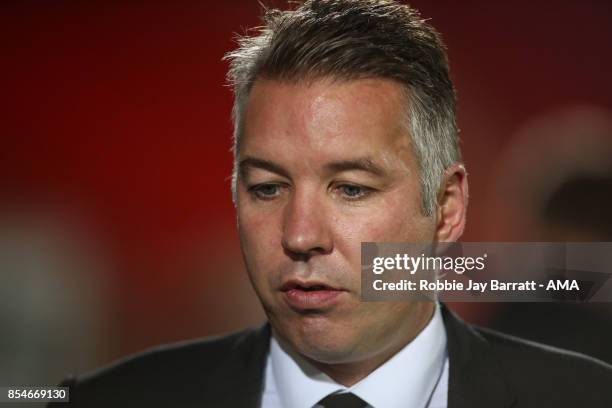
{"x":452,"y":204}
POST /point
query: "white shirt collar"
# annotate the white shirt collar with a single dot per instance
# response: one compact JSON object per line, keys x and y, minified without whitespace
{"x":406,"y":380}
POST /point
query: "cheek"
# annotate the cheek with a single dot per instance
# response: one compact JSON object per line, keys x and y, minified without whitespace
{"x":392,"y":221}
{"x":260,"y":239}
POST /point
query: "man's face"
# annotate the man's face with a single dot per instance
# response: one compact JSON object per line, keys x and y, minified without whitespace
{"x":324,"y":166}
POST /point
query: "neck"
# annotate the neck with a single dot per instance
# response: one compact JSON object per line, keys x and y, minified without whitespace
{"x":350,"y":373}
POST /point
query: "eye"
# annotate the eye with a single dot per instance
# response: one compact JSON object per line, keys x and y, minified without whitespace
{"x":353,"y":192}
{"x":266,"y":191}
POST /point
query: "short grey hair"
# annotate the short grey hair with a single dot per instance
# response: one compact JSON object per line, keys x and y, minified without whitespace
{"x":354,"y":39}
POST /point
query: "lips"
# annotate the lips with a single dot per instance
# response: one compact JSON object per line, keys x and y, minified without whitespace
{"x":310,"y":295}
{"x":308,"y":286}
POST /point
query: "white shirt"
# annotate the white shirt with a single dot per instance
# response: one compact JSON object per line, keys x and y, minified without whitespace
{"x":415,"y":377}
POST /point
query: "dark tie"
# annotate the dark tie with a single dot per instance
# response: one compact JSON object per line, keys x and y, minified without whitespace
{"x":346,"y":400}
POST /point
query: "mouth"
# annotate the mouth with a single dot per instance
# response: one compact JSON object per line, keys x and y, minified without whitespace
{"x":306,"y":286}
{"x":310,"y":295}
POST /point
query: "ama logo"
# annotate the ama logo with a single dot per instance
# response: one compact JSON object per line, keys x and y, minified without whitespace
{"x":564,"y":284}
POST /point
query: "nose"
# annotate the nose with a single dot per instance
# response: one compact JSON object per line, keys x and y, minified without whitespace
{"x":306,"y":227}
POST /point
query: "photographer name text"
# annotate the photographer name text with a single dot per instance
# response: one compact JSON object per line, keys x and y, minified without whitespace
{"x":475,"y":286}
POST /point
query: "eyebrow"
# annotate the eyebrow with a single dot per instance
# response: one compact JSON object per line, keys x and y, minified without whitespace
{"x":361,"y":164}
{"x":252,"y":163}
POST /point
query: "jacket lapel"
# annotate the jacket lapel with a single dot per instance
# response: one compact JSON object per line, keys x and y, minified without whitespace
{"x":241,"y":382}
{"x":475,"y":377}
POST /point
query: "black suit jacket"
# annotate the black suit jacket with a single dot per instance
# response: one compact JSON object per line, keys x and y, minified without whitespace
{"x":486,"y":369}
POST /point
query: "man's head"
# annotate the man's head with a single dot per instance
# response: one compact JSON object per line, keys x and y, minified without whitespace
{"x":344,"y":133}
{"x":359,"y":39}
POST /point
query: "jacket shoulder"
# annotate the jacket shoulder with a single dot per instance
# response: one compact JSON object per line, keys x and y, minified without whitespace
{"x":165,"y":374}
{"x":543,"y":373}
{"x":204,"y":356}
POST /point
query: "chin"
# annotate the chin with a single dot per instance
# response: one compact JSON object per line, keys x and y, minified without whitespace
{"x":320,"y":340}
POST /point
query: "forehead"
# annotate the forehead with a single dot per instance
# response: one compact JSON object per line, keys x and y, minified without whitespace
{"x":325,"y":117}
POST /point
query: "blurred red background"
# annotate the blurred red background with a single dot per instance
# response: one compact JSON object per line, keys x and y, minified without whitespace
{"x":116,"y":135}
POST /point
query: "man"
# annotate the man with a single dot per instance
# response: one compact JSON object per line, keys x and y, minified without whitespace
{"x":344,"y":133}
